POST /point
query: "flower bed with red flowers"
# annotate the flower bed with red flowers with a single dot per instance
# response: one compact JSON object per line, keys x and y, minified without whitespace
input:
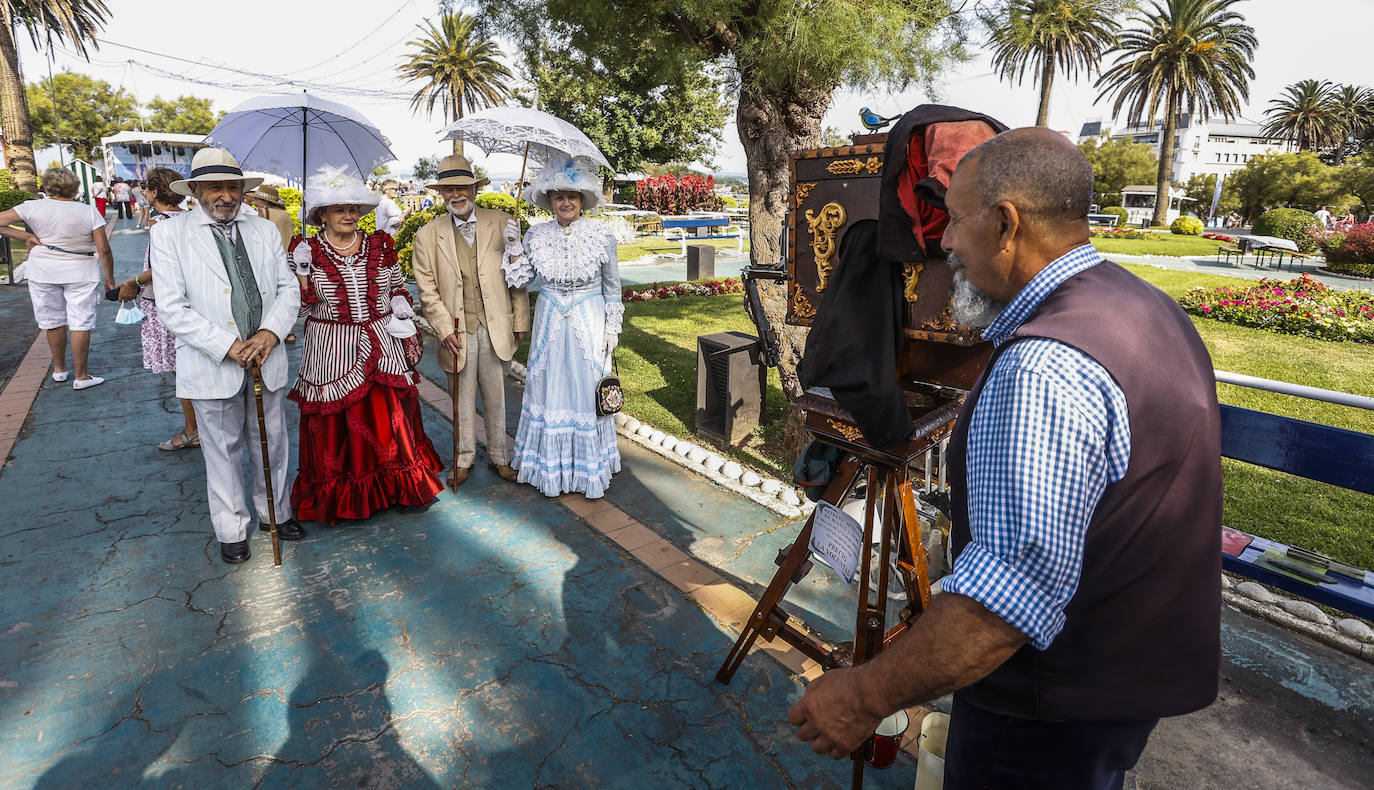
{"x":1220,"y":237}
{"x":1302,"y":306}
{"x":726,"y":285}
{"x":1119,"y":233}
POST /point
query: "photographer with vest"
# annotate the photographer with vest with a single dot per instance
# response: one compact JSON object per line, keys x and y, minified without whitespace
{"x":1084,"y":603}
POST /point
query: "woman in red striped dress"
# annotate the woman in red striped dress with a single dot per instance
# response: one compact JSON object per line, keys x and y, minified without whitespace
{"x":363,"y":446}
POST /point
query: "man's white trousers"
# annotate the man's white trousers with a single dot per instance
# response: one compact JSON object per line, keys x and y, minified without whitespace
{"x":225,"y":426}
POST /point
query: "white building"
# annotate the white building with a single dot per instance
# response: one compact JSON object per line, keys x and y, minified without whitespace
{"x":1199,"y":146}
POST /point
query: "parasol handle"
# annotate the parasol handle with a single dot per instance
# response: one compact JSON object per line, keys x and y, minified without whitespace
{"x":520,"y":185}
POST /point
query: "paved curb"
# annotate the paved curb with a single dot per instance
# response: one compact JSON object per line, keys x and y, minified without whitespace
{"x":1298,"y":615}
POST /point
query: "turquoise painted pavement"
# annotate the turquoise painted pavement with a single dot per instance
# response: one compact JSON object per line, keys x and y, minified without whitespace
{"x":495,"y":641}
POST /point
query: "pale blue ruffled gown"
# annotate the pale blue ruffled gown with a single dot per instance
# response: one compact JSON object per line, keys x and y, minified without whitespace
{"x":561,"y":444}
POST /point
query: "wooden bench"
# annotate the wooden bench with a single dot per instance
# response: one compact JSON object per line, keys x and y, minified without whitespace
{"x":1225,"y":253}
{"x":1317,"y":452}
{"x":677,"y":229}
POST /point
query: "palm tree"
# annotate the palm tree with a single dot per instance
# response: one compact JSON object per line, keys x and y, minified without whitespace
{"x":1305,"y":115}
{"x":1043,"y":36}
{"x":459,"y":68}
{"x":1353,"y":106}
{"x":1188,"y":56}
{"x":73,"y":22}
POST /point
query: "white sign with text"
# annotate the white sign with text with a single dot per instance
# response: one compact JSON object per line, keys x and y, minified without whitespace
{"x":836,"y":540}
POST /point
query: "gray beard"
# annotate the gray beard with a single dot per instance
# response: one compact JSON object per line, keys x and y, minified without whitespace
{"x":970,"y":306}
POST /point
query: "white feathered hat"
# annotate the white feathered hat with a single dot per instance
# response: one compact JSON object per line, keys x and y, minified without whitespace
{"x":333,"y":186}
{"x":566,"y":175}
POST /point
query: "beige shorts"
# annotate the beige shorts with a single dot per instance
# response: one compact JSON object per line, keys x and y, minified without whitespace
{"x":65,"y":304}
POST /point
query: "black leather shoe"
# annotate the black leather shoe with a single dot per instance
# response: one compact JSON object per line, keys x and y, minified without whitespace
{"x":287,"y":530}
{"x":234,"y":553}
{"x":415,"y":508}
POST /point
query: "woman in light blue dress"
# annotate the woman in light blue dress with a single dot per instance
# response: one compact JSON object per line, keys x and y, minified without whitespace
{"x":561,"y":444}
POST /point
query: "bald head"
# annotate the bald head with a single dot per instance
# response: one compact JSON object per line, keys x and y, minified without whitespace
{"x":1037,"y":170}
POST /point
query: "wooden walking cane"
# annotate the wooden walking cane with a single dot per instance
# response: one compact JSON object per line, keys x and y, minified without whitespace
{"x":453,"y":392}
{"x":266,"y":467}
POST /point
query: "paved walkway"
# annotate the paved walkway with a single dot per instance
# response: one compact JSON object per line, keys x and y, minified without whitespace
{"x":501,"y":639}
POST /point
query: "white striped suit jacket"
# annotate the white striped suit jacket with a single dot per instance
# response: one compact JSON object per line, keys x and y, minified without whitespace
{"x":193,"y":300}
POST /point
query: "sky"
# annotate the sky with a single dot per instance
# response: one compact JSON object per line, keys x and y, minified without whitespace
{"x":356,"y":45}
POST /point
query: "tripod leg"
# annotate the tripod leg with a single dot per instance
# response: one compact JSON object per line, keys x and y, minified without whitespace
{"x":782,"y":580}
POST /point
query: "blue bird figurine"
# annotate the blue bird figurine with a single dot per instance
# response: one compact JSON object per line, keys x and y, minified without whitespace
{"x":873,"y":121}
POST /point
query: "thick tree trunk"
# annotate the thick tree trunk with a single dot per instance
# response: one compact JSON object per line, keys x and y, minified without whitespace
{"x":14,"y":115}
{"x":1042,"y":118}
{"x":772,"y":124}
{"x":457,"y":116}
{"x":1166,"y":163}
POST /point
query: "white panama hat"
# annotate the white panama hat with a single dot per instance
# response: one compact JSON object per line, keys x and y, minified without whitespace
{"x":214,"y":164}
{"x":566,"y":175}
{"x":333,"y":186}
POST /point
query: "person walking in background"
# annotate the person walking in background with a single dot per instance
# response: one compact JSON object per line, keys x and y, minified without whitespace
{"x":267,"y":202}
{"x":390,"y":215}
{"x":98,"y":193}
{"x":478,"y":317}
{"x":139,"y":200}
{"x":225,"y":290}
{"x":363,"y":446}
{"x":1323,"y":216}
{"x":562,"y":445}
{"x":120,"y":194}
{"x":159,"y":345}
{"x":65,"y":239}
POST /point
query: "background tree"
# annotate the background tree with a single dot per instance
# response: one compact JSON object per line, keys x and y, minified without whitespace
{"x":90,"y":109}
{"x":1188,"y":56}
{"x":426,"y":168}
{"x":832,"y":137}
{"x":1353,"y":106}
{"x":1300,"y":180}
{"x":458,"y":66}
{"x":1045,"y":36}
{"x":631,"y":114}
{"x":1357,"y":179}
{"x":1305,"y":115}
{"x":182,"y":115}
{"x":1116,"y":163}
{"x":1200,"y":187}
{"x":72,"y":22}
{"x":788,"y":58}
{"x":381,"y":170}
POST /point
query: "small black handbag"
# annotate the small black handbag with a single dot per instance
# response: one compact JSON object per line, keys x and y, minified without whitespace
{"x":609,"y":395}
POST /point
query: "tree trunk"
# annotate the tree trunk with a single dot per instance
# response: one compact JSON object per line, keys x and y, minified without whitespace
{"x":14,"y":115}
{"x":772,"y":124}
{"x":1042,"y":118}
{"x":1166,"y":162}
{"x":457,"y":116}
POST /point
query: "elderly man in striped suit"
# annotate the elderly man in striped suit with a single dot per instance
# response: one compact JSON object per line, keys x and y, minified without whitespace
{"x":225,"y":290}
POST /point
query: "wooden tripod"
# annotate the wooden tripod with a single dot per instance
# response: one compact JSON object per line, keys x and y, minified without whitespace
{"x":900,"y":537}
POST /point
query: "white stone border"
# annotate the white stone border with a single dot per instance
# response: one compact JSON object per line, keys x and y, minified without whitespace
{"x":1349,"y":635}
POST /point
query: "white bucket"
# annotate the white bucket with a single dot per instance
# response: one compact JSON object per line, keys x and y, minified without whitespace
{"x":930,"y":761}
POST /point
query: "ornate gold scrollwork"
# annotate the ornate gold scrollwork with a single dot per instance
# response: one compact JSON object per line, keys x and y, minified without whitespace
{"x":873,"y":165}
{"x":845,"y":167}
{"x":847,"y":431}
{"x":804,"y":191}
{"x":911,"y":274}
{"x":801,"y":306}
{"x":823,"y":228}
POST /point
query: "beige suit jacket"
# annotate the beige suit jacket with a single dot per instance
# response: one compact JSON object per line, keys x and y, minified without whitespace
{"x":441,"y":285}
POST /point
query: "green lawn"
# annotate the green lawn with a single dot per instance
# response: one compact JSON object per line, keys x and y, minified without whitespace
{"x":1159,"y":244}
{"x":658,"y":368}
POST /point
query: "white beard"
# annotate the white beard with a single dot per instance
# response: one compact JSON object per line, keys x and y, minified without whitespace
{"x":970,"y":306}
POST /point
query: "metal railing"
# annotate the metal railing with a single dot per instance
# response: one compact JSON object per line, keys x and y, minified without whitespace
{"x":1296,"y":390}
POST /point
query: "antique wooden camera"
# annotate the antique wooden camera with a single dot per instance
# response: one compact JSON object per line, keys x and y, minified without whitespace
{"x":832,"y":189}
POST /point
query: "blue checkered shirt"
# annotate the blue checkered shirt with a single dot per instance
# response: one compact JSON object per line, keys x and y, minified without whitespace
{"x":1047,"y":436}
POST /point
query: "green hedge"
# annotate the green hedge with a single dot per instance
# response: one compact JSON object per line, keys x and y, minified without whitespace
{"x":1353,"y":269}
{"x":9,"y":198}
{"x":1293,"y":224}
{"x":1122,"y":217}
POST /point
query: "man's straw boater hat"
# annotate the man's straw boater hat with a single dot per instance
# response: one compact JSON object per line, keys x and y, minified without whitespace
{"x":268,"y":194}
{"x":214,"y":164}
{"x":456,"y":171}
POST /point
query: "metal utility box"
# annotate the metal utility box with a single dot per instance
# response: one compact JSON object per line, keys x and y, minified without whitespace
{"x":730,"y":387}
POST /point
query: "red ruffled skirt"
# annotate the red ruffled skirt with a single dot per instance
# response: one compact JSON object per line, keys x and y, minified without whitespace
{"x":368,"y":457}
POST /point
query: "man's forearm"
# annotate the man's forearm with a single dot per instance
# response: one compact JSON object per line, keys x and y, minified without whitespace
{"x":954,"y":643}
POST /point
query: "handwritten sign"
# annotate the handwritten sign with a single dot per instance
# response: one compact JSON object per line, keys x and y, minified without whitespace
{"x":836,"y":540}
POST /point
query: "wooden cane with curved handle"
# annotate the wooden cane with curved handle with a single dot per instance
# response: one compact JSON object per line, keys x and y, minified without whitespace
{"x":266,"y":467}
{"x":453,"y":391}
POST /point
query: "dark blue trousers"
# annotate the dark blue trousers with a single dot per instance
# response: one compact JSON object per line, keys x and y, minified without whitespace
{"x":988,"y":751}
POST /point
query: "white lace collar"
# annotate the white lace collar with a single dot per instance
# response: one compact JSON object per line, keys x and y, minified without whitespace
{"x":571,"y":254}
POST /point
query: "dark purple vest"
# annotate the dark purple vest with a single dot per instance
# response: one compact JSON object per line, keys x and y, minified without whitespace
{"x":1142,"y":633}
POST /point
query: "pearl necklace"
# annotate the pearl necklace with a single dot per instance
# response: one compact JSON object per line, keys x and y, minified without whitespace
{"x":340,"y":249}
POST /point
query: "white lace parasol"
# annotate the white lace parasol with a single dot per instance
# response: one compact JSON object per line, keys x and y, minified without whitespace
{"x":507,"y":130}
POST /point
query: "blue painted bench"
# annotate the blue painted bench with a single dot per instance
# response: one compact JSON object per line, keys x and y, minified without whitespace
{"x":1317,"y":452}
{"x":1103,"y":220}
{"x":684,"y":229}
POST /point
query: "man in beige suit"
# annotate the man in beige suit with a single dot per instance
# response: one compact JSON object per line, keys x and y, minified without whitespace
{"x":480,"y":320}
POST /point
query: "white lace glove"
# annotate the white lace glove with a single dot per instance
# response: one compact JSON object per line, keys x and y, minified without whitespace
{"x":514,"y":249}
{"x":300,"y":259}
{"x":611,"y":340}
{"x":401,"y":308}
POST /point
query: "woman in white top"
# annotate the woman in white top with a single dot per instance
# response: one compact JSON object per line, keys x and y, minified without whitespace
{"x":65,"y":238}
